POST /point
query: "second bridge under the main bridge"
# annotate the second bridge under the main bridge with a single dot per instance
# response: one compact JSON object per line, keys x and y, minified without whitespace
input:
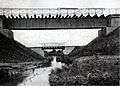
{"x":53,"y":47}
{"x":49,"y":50}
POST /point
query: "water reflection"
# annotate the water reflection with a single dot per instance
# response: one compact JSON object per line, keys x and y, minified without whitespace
{"x":40,"y":76}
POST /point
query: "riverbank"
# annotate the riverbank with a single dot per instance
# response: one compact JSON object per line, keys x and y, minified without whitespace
{"x":103,"y":70}
{"x":11,"y":74}
{"x":40,"y":76}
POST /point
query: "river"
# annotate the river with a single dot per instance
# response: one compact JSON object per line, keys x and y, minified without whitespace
{"x":40,"y":76}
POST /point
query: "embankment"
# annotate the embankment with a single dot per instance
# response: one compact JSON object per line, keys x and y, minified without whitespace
{"x":89,"y":70}
{"x":13,"y":51}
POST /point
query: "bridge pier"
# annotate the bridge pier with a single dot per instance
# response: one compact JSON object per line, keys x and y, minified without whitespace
{"x":113,"y":23}
{"x":6,"y":32}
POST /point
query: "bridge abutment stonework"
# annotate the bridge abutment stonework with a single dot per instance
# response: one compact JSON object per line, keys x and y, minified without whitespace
{"x":8,"y":33}
{"x":113,"y":23}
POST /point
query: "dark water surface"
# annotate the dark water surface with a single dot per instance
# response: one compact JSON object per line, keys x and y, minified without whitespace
{"x":40,"y":76}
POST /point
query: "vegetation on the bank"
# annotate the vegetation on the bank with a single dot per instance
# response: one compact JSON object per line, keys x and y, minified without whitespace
{"x":103,"y":45}
{"x":65,"y":59}
{"x":103,"y":70}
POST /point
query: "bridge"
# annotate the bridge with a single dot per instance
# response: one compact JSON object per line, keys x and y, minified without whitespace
{"x":106,"y":19}
{"x":53,"y":45}
{"x":59,"y":18}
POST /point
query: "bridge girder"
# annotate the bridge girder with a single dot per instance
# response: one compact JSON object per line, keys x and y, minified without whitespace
{"x":60,"y":18}
{"x":54,"y":23}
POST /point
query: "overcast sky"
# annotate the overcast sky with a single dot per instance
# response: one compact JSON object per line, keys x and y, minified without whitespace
{"x":61,"y":3}
{"x":71,"y":37}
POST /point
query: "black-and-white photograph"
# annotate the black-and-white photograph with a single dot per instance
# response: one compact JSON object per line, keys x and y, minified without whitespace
{"x":59,"y":42}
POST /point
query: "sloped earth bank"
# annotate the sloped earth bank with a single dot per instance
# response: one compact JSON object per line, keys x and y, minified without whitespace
{"x":27,"y":74}
{"x":88,"y":71}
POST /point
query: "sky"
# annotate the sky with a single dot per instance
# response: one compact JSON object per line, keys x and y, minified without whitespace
{"x":76,"y":37}
{"x":70,"y":37}
{"x":61,"y":3}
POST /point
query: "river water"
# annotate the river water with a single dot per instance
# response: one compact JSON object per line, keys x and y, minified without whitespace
{"x":40,"y":76}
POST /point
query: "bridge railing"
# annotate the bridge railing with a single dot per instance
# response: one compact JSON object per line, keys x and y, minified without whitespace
{"x":59,"y":11}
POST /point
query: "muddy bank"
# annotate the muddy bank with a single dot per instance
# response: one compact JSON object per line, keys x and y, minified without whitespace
{"x":103,"y":70}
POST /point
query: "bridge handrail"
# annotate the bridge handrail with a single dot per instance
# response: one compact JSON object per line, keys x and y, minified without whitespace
{"x":60,"y":11}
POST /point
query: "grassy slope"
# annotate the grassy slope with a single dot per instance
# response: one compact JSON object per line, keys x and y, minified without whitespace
{"x":107,"y":45}
{"x":105,"y":67}
{"x":88,"y":69}
{"x":13,"y":51}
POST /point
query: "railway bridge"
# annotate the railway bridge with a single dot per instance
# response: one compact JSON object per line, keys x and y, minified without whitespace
{"x":106,"y":19}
